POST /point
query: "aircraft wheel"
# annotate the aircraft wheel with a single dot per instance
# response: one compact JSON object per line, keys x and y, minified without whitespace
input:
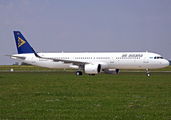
{"x":91,"y":74}
{"x":148,"y":74}
{"x":78,"y":73}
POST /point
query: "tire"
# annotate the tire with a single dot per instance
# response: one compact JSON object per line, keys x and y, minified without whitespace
{"x":78,"y":73}
{"x":91,"y":74}
{"x":148,"y":74}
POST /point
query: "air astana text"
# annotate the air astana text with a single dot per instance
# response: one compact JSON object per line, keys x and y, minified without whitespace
{"x":132,"y":55}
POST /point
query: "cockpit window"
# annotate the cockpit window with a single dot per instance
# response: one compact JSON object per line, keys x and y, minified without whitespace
{"x":159,"y":57}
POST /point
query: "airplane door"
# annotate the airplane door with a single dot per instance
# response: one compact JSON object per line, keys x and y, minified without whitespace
{"x":146,"y":58}
{"x":112,"y":59}
{"x":73,"y":57}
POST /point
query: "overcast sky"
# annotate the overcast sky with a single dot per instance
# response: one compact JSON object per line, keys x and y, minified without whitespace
{"x":86,"y":25}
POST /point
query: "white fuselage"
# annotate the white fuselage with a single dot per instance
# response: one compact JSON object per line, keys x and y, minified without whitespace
{"x":110,"y":60}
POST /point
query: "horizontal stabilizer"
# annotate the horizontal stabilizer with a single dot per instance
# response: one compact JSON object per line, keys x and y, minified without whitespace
{"x":13,"y":56}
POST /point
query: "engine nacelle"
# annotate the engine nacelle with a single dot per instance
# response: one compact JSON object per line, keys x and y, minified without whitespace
{"x":111,"y":71}
{"x":92,"y":68}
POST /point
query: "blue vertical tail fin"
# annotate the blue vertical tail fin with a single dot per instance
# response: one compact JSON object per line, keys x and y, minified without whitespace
{"x":22,"y":45}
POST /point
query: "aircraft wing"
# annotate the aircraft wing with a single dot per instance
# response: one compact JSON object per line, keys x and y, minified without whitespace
{"x":70,"y":61}
{"x":74,"y":62}
{"x":67,"y":61}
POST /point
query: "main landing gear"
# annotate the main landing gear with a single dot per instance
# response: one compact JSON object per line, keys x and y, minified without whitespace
{"x":148,"y":73}
{"x":79,"y":71}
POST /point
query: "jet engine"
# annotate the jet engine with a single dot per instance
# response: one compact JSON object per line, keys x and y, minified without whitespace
{"x":111,"y":71}
{"x":92,"y":68}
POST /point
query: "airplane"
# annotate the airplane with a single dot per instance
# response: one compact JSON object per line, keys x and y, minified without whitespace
{"x":91,"y":63}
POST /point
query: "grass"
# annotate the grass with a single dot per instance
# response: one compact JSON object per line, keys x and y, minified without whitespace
{"x":62,"y":95}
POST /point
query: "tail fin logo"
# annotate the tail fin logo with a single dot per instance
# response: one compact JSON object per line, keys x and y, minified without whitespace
{"x":20,"y":42}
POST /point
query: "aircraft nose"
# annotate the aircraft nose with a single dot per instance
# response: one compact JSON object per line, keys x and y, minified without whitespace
{"x":166,"y":62}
